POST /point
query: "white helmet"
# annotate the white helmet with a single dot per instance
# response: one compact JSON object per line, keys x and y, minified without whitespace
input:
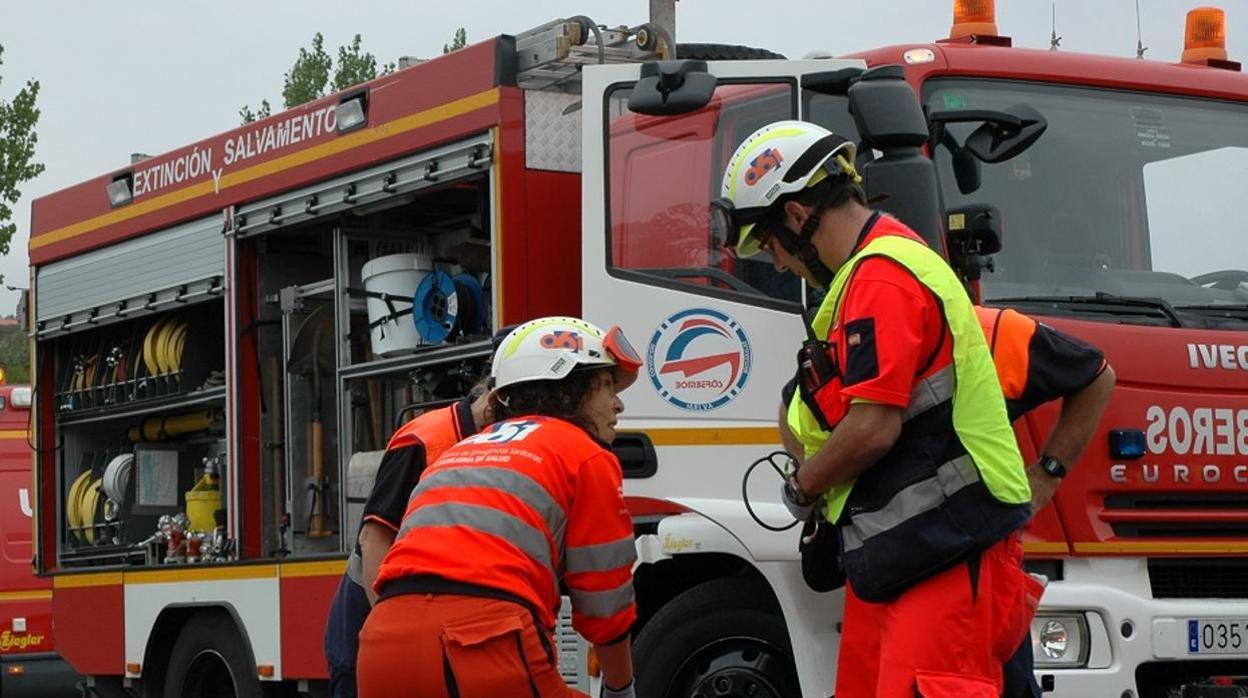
{"x":781,"y":158}
{"x":550,"y":348}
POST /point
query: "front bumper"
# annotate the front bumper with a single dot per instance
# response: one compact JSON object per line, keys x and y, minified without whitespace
{"x":1128,"y":629}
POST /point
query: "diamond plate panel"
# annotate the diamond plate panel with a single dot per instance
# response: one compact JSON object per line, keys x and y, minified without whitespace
{"x":552,"y":138}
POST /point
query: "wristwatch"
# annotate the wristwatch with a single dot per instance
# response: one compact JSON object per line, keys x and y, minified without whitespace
{"x":1052,"y":466}
{"x":796,"y":493}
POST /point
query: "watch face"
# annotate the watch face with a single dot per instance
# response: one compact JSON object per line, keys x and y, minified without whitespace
{"x":1053,"y":466}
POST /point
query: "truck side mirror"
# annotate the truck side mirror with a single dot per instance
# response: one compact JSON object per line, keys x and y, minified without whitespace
{"x":1002,"y":135}
{"x":668,"y":88}
{"x":998,"y":141}
{"x":966,"y":169}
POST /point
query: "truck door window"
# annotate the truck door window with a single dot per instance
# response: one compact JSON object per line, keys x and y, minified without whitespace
{"x":832,"y":113}
{"x":663,"y":173}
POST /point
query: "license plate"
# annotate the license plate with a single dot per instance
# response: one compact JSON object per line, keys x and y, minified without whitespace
{"x":1217,"y":636}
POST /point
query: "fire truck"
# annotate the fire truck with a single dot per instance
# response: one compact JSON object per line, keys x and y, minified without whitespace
{"x":225,"y":334}
{"x":29,"y":665}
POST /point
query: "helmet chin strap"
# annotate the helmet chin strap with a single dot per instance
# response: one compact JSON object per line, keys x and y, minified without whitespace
{"x":799,"y":245}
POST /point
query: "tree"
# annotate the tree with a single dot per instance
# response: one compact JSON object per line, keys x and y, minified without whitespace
{"x":17,"y":152}
{"x":15,"y":355}
{"x":249,"y":116}
{"x":355,"y":67}
{"x":460,"y":41}
{"x":308,"y":78}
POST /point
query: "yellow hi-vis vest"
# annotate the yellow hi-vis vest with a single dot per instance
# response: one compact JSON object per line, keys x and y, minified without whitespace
{"x":979,"y":414}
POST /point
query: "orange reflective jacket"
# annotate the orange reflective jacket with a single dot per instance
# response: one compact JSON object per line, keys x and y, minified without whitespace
{"x":520,"y":507}
{"x":1036,"y":363}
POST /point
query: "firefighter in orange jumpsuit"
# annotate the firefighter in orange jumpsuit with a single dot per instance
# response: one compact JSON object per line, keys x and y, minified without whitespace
{"x":470,"y":591}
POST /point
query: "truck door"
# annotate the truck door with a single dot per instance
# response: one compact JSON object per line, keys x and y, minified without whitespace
{"x":718,"y":334}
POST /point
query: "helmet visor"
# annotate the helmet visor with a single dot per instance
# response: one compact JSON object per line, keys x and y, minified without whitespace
{"x":620,"y":349}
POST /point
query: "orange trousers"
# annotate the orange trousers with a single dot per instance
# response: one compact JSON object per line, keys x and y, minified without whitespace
{"x":945,"y":637}
{"x":448,"y":646}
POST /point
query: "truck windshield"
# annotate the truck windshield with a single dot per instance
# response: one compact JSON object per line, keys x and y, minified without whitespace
{"x":1127,"y":197}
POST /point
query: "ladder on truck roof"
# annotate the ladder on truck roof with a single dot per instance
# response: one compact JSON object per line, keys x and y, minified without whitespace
{"x":551,"y":56}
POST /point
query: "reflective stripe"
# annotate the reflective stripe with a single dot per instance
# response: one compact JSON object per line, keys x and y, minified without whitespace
{"x":486,"y":520}
{"x":515,"y":483}
{"x":602,"y":604}
{"x":930,"y":392}
{"x":355,"y":568}
{"x":602,"y":557}
{"x":919,"y":498}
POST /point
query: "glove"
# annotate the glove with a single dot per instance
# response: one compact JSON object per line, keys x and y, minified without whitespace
{"x":799,"y":504}
{"x":628,"y":691}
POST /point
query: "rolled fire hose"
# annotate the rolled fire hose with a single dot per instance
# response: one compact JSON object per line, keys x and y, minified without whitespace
{"x":84,"y":497}
{"x":71,"y":500}
{"x":149,"y":346}
{"x":116,"y":481}
{"x":161,"y":428}
{"x":86,"y":511}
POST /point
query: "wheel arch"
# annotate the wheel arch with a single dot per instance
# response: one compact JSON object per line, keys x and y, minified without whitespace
{"x":169,"y":624}
{"x":685,"y":550}
{"x":657,"y":583}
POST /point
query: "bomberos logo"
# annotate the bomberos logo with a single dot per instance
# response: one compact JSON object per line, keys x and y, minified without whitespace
{"x":699,"y":359}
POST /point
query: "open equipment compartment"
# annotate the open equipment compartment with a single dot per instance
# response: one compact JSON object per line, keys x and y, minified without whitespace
{"x":367,"y":315}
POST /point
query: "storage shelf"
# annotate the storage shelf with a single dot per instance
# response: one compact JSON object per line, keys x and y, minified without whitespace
{"x":143,"y":407}
{"x":420,"y":358}
{"x":110,"y":555}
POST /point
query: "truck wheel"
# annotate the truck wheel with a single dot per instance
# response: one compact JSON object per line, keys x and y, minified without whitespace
{"x":724,"y":52}
{"x":211,"y":660}
{"x":719,"y":639}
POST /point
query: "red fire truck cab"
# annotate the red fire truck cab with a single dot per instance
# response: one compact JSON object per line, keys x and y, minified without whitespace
{"x":29,"y":665}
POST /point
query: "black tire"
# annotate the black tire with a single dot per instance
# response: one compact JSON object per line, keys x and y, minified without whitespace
{"x":724,"y":52}
{"x":210,"y":659}
{"x":723,"y":638}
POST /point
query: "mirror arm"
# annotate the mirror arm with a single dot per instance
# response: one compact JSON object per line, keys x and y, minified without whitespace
{"x":962,"y":116}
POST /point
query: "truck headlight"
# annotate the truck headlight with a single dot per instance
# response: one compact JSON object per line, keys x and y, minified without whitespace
{"x":1060,"y":640}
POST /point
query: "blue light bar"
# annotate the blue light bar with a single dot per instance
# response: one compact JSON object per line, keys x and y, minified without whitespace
{"x":1126,"y":444}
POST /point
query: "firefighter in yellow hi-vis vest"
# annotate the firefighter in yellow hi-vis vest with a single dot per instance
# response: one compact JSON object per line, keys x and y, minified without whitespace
{"x":922,"y":475}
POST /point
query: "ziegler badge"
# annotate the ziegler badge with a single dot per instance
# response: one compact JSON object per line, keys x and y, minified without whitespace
{"x":699,"y":359}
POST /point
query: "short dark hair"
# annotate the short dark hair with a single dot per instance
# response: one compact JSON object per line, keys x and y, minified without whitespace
{"x":829,"y":194}
{"x":561,"y":399}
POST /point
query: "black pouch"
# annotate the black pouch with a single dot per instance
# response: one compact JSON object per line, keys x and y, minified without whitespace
{"x":816,"y":367}
{"x":820,"y":549}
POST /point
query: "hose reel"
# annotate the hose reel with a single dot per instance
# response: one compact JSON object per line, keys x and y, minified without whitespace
{"x":446,"y":306}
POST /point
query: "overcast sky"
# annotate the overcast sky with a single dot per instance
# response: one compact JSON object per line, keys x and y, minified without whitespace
{"x":149,"y":76}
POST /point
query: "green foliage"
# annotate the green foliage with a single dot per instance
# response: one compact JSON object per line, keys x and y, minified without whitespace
{"x":249,"y":116}
{"x":15,"y":355}
{"x":355,"y":66}
{"x":17,"y":152}
{"x":307,"y":78}
{"x":460,"y":41}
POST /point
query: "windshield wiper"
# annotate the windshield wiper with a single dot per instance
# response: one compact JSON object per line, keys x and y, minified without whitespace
{"x":1232,"y":311}
{"x":1111,"y":302}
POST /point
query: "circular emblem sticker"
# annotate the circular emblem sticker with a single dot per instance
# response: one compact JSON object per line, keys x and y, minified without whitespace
{"x":699,"y":359}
